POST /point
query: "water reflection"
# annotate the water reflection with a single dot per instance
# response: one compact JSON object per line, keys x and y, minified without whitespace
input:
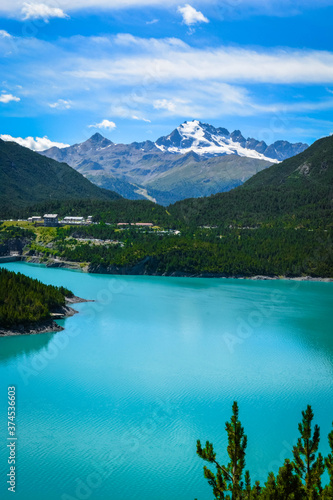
{"x":16,"y":346}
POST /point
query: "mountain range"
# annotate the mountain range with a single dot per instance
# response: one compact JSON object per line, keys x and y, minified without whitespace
{"x":195,"y":160}
{"x":206,"y":140}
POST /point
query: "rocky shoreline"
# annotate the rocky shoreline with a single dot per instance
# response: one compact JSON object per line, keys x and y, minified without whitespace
{"x":140,"y":269}
{"x":46,"y":326}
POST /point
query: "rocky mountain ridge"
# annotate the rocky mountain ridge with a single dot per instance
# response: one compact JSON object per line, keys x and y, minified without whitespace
{"x":207,"y":140}
{"x":194,"y":160}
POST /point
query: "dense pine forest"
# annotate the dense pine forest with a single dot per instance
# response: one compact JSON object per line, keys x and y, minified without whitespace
{"x":204,"y":251}
{"x":103,"y":211}
{"x":295,"y":193}
{"x":198,"y":252}
{"x":28,"y":178}
{"x":24,"y":300}
{"x":298,"y":479}
{"x":272,"y":207}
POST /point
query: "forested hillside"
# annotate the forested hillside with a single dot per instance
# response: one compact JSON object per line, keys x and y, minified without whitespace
{"x":294,"y":193}
{"x":103,"y":211}
{"x":201,"y":252}
{"x":27,"y":178}
{"x":24,"y":300}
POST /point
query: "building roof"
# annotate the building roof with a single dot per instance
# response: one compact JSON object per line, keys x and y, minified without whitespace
{"x":73,"y":218}
{"x":50,"y":216}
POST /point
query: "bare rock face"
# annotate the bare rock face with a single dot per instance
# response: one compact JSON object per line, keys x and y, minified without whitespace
{"x":304,"y":169}
{"x":13,"y":246}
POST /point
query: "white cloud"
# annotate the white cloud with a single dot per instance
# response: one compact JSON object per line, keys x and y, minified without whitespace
{"x":38,"y":144}
{"x":6,"y":98}
{"x":104,"y":124}
{"x":134,"y":117}
{"x":153,"y":21}
{"x":166,"y":60}
{"x":42,"y":11}
{"x":169,"y":104}
{"x":213,"y":100}
{"x":126,"y":76}
{"x":4,"y":34}
{"x":208,"y":100}
{"x":127,"y":108}
{"x":60,"y":104}
{"x":273,"y":6}
{"x":192,"y":16}
{"x":15,"y":5}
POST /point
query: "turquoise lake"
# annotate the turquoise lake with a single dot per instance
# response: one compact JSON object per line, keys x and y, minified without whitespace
{"x":111,"y":407}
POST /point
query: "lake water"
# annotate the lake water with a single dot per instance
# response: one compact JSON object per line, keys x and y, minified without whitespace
{"x":112,"y":407}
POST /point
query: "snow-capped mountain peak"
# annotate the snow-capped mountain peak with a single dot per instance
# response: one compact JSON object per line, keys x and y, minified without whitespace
{"x":206,"y":140}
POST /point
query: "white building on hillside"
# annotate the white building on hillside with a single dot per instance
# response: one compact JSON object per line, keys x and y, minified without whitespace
{"x":73,"y":220}
{"x":51,"y":220}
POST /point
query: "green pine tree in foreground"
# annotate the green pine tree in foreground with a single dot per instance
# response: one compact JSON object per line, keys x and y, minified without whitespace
{"x":227,"y":478}
{"x":297,"y":479}
{"x":308,"y":467}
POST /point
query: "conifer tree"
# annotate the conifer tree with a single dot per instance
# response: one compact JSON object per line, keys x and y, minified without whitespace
{"x":227,"y":478}
{"x":308,"y":467}
{"x":247,"y":480}
{"x":289,"y":485}
{"x":270,"y":492}
{"x":256,"y":491}
{"x":328,"y":491}
{"x":24,"y":300}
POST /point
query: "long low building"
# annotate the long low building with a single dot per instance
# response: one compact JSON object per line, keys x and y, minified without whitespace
{"x":140,"y":224}
{"x":73,"y":220}
{"x":52,"y":220}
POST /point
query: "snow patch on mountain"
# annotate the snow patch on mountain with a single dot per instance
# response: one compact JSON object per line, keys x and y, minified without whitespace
{"x":206,"y":140}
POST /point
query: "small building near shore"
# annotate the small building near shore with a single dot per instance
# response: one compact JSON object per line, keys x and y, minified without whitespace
{"x":51,"y":220}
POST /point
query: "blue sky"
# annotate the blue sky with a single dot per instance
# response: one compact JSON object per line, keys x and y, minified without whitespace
{"x":136,"y":69}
